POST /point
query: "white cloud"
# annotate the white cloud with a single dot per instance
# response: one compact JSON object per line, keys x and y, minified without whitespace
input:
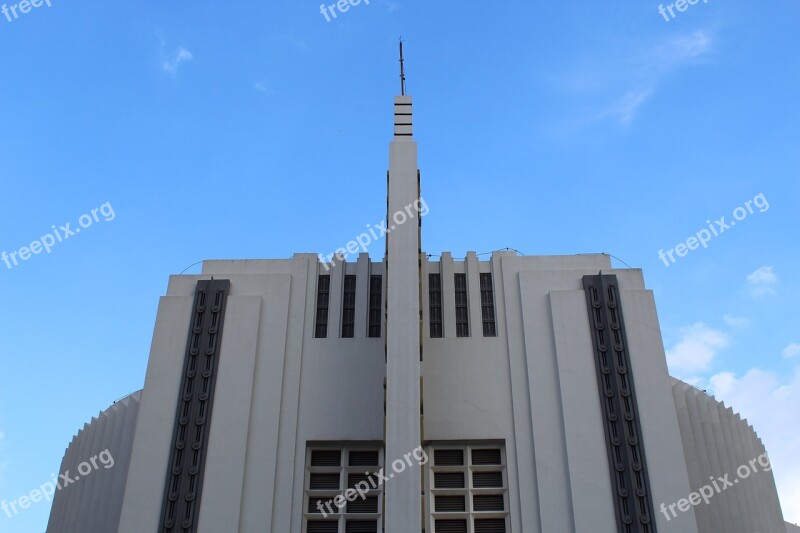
{"x":761,"y":282}
{"x":683,"y":48}
{"x":763,"y":275}
{"x":263,"y":88}
{"x":735,"y":321}
{"x":793,"y":350}
{"x":171,"y":63}
{"x":625,"y":109}
{"x":769,"y":402}
{"x":660,"y":62}
{"x":696,"y":349}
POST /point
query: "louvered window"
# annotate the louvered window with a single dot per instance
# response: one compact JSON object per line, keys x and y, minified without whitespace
{"x":487,"y":306}
{"x":322,"y":526}
{"x":326,"y":458}
{"x":466,"y":489}
{"x":490,"y":525}
{"x":375,"y":305}
{"x":462,"y":311}
{"x":450,"y":504}
{"x":361,"y":526}
{"x":349,"y":307}
{"x":323,"y":294}
{"x":451,"y":526}
{"x":368,"y":505}
{"x":483,"y":480}
{"x":490,"y":502}
{"x":435,"y":304}
{"x":322,"y":481}
{"x":363,"y":458}
{"x":449,"y":480}
{"x":490,"y":456}
{"x":449,"y":457}
{"x":331,"y":470}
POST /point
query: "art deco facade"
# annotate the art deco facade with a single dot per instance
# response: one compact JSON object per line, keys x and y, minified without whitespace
{"x":513,"y":394}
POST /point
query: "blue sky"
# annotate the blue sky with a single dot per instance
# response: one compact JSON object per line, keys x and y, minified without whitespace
{"x":258,"y":129}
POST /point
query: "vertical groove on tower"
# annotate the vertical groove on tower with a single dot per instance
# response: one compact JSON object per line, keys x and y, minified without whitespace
{"x":626,"y":458}
{"x":181,"y":507}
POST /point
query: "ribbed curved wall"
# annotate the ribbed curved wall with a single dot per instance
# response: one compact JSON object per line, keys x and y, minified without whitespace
{"x":92,"y":503}
{"x":716,"y":442}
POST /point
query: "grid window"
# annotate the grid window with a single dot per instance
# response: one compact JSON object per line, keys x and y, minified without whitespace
{"x":462,"y":311}
{"x":375,"y":305}
{"x":487,"y":306}
{"x":435,"y":304}
{"x":466,"y":488}
{"x":349,"y":307}
{"x":330,"y":471}
{"x":323,"y":296}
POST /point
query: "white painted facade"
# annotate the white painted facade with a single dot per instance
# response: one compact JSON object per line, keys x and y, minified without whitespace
{"x":719,"y":443}
{"x":530,"y":392}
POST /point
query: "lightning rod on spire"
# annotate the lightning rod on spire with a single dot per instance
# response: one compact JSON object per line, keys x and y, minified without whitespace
{"x":402,"y":71}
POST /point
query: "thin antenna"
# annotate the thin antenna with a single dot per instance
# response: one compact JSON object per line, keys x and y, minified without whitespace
{"x":402,"y":71}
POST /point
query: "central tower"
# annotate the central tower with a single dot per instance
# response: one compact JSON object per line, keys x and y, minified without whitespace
{"x":403,"y":496}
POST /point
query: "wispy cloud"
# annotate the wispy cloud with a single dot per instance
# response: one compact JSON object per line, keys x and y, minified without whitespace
{"x":678,"y":50}
{"x":170,"y":63}
{"x":762,"y":282}
{"x":735,"y":321}
{"x":696,"y":349}
{"x":793,"y":350}
{"x":652,"y":68}
{"x":625,"y":109}
{"x":262,"y":87}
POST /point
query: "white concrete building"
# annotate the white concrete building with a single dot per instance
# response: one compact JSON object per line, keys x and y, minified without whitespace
{"x":513,"y":394}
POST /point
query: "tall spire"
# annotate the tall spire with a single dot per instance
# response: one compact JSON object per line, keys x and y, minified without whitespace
{"x":403,"y":496}
{"x":402,"y":71}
